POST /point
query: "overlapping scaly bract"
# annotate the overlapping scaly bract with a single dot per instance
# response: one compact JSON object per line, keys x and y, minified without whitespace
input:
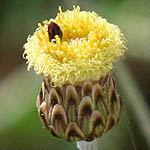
{"x":83,"y":111}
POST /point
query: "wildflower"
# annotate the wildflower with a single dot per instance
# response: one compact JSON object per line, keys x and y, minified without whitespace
{"x":75,"y":53}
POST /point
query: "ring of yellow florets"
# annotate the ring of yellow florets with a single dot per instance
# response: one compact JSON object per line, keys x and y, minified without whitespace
{"x":88,"y":48}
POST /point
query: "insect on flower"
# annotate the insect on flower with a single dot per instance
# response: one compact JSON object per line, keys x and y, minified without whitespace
{"x":54,"y":29}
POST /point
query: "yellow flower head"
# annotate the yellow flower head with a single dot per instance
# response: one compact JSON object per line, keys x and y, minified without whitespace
{"x":78,"y":46}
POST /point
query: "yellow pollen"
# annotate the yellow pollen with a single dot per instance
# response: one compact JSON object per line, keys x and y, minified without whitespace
{"x":87,"y":51}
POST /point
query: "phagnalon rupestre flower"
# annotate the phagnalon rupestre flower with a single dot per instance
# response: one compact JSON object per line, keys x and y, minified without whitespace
{"x":75,"y":53}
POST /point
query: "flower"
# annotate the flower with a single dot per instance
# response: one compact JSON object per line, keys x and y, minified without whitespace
{"x":75,"y":53}
{"x":86,"y":50}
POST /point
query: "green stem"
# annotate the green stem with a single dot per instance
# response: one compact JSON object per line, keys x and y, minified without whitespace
{"x":83,"y":145}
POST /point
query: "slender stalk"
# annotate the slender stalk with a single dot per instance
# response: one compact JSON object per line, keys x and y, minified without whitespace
{"x":83,"y":145}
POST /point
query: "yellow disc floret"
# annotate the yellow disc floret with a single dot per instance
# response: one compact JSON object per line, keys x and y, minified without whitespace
{"x":86,"y":51}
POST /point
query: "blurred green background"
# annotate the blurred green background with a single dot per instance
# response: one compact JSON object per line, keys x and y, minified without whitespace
{"x":20,"y":126}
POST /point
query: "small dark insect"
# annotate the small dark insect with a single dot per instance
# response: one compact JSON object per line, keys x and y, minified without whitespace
{"x":54,"y":29}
